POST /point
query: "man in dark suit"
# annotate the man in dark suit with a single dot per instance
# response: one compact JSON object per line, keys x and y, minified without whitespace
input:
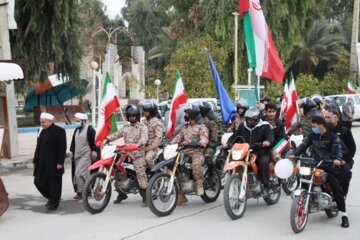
{"x":49,"y":160}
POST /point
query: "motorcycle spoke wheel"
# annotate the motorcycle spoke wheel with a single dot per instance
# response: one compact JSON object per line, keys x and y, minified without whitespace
{"x":234,"y":207}
{"x":159,"y":202}
{"x":298,"y":215}
{"x":290,"y":184}
{"x":212,"y":187}
{"x":93,"y":200}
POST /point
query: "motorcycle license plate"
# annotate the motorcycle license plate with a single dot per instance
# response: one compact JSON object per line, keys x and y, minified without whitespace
{"x":305,"y":171}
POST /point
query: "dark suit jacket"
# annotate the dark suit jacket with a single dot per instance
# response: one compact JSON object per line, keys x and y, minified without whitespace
{"x":50,"y":151}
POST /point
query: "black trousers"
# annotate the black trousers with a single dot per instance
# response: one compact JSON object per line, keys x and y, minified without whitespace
{"x":334,"y":178}
{"x":263,"y":163}
{"x":346,"y":176}
{"x":50,"y":188}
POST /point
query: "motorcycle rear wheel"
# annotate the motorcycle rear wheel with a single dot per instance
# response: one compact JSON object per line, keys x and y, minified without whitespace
{"x":233,"y":206}
{"x":331,"y":213}
{"x":92,"y":199}
{"x":160,"y":203}
{"x":298,"y":217}
{"x":274,"y":195}
{"x":211,"y":195}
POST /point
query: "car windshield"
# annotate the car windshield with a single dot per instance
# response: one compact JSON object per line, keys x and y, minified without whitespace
{"x":342,"y":99}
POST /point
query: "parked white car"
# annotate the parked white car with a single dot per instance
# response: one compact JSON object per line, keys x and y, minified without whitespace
{"x":344,"y":98}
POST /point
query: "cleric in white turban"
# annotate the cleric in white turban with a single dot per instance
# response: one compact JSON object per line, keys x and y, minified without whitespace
{"x":84,"y":152}
{"x":47,"y":116}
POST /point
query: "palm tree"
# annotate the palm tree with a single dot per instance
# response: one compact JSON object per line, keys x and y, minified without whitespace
{"x":324,"y":44}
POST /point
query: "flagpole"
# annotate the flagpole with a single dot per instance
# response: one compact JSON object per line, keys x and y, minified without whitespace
{"x":236,"y":19}
{"x":256,"y":86}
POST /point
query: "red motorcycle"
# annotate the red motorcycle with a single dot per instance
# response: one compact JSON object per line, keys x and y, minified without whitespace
{"x":116,"y":165}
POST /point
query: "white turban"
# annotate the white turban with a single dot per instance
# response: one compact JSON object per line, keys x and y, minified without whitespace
{"x":45,"y":115}
{"x":81,"y":116}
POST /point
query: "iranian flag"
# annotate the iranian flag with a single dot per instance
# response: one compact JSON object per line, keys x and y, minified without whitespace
{"x":281,"y":146}
{"x":351,"y":88}
{"x":292,"y":105}
{"x":179,"y":99}
{"x":109,"y":103}
{"x":261,"y":51}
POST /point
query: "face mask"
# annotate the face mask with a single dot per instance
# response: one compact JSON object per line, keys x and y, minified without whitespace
{"x":315,"y":131}
{"x":186,"y":118}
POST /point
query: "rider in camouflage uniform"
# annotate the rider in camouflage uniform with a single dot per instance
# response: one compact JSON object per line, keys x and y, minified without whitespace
{"x":309,"y":109}
{"x":239,"y":117}
{"x":155,"y":129}
{"x":135,"y":133}
{"x":189,"y":133}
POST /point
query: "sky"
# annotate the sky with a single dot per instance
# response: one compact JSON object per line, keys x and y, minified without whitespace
{"x":114,"y":7}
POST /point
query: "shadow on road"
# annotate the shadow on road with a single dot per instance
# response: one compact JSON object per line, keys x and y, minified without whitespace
{"x":37,"y":204}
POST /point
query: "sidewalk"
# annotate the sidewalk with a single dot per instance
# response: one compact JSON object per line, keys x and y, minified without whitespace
{"x":27,"y":145}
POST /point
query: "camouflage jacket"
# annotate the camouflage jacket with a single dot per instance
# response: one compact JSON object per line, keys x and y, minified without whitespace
{"x":235,"y":123}
{"x":155,"y":133}
{"x":192,"y":132}
{"x":213,"y":133}
{"x":132,"y":134}
{"x":304,"y":124}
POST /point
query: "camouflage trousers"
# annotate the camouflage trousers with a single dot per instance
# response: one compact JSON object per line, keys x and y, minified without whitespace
{"x":198,"y":160}
{"x":150,"y":157}
{"x":140,"y":167}
{"x":209,"y":152}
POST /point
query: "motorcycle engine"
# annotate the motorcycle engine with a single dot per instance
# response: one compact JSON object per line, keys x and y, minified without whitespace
{"x":254,"y":184}
{"x":125,"y":183}
{"x":325,"y":201}
{"x":187,"y":185}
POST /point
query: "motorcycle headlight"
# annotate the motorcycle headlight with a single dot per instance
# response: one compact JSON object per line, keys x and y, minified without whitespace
{"x":108,"y":151}
{"x":306,"y":171}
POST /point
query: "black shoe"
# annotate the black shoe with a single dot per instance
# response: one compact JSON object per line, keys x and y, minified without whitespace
{"x":120,"y":198}
{"x":52,"y":208}
{"x":47,"y":204}
{"x":344,"y":222}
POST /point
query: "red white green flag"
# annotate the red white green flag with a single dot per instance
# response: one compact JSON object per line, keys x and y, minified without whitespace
{"x":281,"y":146}
{"x":261,"y":51}
{"x":292,"y":105}
{"x":179,"y":99}
{"x":351,"y":88}
{"x":109,"y":103}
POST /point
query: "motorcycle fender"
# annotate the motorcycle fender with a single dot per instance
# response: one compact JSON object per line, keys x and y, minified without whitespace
{"x":162,"y":164}
{"x":233,"y":164}
{"x":129,"y":166}
{"x":105,"y":162}
{"x":217,"y":153}
{"x":296,"y":193}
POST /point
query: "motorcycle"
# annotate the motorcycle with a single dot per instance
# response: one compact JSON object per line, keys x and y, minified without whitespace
{"x":314,"y":194}
{"x":174,"y":175}
{"x":116,"y":165}
{"x":243,"y":183}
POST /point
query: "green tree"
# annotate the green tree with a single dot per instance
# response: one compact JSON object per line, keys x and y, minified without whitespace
{"x":191,"y":59}
{"x":323,"y":46}
{"x":306,"y":85}
{"x":48,"y":38}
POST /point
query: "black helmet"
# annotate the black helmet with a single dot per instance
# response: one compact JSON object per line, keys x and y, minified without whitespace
{"x":252,"y":113}
{"x":132,"y":110}
{"x":205,"y":108}
{"x":150,"y":107}
{"x":192,"y":110}
{"x":317,"y":101}
{"x":308,"y":105}
{"x":243,"y":105}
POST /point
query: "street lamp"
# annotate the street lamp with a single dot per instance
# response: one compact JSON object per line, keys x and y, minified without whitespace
{"x":93,"y":65}
{"x":157,"y":83}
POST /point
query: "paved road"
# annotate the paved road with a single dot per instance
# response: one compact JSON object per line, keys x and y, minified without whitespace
{"x":27,"y":219}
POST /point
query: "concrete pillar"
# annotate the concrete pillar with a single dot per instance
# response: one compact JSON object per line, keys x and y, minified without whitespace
{"x":120,"y":82}
{"x":11,"y":147}
{"x":138,"y":70}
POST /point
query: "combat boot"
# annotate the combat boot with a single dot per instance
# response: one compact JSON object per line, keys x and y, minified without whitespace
{"x":181,"y":199}
{"x":200,"y":187}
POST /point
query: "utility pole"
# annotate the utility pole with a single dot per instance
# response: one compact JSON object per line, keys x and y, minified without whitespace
{"x":354,"y":41}
{"x":7,"y":91}
{"x":236,"y":29}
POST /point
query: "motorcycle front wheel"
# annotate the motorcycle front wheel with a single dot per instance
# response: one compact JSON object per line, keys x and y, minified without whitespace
{"x":233,"y":206}
{"x":160,"y":203}
{"x":298,"y":217}
{"x":212,"y":187}
{"x":290,"y":184}
{"x":92,"y":198}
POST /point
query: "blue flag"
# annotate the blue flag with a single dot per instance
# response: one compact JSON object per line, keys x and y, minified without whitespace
{"x":227,"y":107}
